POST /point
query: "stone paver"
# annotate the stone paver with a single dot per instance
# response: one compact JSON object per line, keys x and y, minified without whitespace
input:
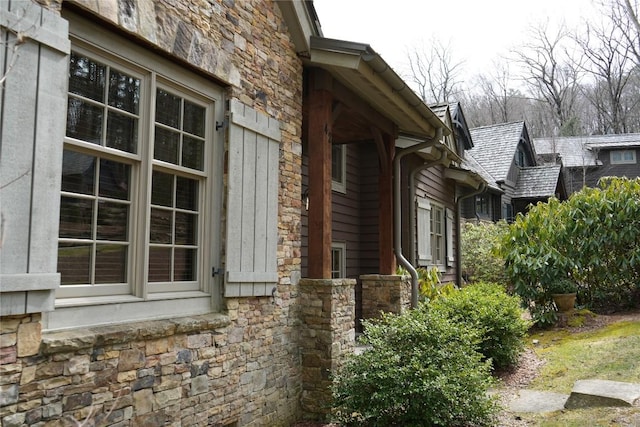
{"x":537,"y":401}
{"x":590,"y":393}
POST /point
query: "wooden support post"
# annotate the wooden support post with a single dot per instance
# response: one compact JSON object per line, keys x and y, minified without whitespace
{"x":319,"y":142}
{"x":386,"y":150}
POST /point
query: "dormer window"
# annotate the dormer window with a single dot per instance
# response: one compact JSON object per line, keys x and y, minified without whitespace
{"x":520,"y":157}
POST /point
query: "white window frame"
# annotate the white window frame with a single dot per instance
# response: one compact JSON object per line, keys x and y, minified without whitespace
{"x":427,"y":239}
{"x":438,"y":240}
{"x":339,"y":250}
{"x":141,"y":300}
{"x":339,"y":183}
{"x":626,"y":157}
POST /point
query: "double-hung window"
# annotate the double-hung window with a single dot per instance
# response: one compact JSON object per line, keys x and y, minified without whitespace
{"x":138,"y":194}
{"x":434,"y":230}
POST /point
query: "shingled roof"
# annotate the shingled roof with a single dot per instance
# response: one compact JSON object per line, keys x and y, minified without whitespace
{"x":538,"y":182}
{"x":494,"y":147}
{"x":574,"y":151}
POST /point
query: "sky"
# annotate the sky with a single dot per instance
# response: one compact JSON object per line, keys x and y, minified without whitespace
{"x":477,"y":32}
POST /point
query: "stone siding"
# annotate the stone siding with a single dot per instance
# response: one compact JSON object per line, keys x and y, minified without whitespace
{"x":381,"y":293}
{"x":240,"y":367}
{"x":327,"y":336}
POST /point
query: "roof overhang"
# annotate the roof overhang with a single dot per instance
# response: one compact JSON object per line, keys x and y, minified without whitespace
{"x":302,"y":21}
{"x":464,"y":177}
{"x":363,"y":71}
{"x":432,"y":152}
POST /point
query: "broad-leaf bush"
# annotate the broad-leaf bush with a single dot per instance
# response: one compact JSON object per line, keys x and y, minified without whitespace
{"x":481,"y":261}
{"x":593,"y":239}
{"x":497,"y":315}
{"x":421,"y":369}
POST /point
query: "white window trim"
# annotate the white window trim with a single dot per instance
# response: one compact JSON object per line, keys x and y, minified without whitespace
{"x":141,"y":304}
{"x":424,"y":234}
{"x":340,"y":185}
{"x":622,"y":160}
{"x":341,"y":247}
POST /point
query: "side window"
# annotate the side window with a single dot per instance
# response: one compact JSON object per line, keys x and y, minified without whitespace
{"x":339,"y":168}
{"x":338,"y":260}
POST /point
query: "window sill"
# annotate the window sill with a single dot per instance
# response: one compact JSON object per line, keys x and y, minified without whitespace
{"x":83,"y":338}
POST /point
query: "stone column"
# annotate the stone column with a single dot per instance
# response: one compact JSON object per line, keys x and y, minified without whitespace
{"x":388,"y":293}
{"x":327,"y":310}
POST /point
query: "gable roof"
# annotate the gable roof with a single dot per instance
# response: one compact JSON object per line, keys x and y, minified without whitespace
{"x":495,"y":146}
{"x":363,"y":71}
{"x":537,"y":182}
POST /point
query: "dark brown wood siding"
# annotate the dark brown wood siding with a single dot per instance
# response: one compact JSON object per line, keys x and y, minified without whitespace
{"x":354,"y":213}
{"x":430,"y":184}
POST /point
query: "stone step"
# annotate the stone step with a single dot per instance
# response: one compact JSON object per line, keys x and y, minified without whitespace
{"x":591,"y":393}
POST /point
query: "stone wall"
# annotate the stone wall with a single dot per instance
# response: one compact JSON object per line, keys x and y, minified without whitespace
{"x":239,"y":367}
{"x":381,"y":293}
{"x":327,"y":336}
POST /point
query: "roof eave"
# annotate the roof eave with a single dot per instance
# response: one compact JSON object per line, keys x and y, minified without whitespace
{"x":362,"y":70}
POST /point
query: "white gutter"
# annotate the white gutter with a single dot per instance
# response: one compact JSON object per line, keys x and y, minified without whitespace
{"x":397,"y":211}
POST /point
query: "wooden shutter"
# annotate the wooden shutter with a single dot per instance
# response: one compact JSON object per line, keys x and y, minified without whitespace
{"x":252,"y":202}
{"x":423,"y":225}
{"x":33,"y":125}
{"x":449,"y":237}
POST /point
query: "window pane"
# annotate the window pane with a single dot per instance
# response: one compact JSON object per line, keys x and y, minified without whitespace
{"x":161,"y":226}
{"x":159,"y":264}
{"x":112,"y":221}
{"x":186,"y":227}
{"x":124,"y":91}
{"x":74,"y":263}
{"x":184,"y":264}
{"x":122,"y":132}
{"x":336,"y":162}
{"x":111,"y":264}
{"x":168,"y":109}
{"x":166,"y":145}
{"x":84,"y":121}
{"x":114,"y":180}
{"x":78,"y":172}
{"x":162,"y":189}
{"x":193,"y":153}
{"x":194,"y":121}
{"x":86,"y":77}
{"x":187,"y":194}
{"x":76,"y":217}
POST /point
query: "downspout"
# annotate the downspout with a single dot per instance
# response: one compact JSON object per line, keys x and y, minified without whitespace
{"x":481,"y":189}
{"x":397,"y":212}
{"x":412,"y":196}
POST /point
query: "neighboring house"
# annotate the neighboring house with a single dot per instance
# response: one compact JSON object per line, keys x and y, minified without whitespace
{"x":504,"y":155}
{"x":190,"y":194}
{"x":586,"y":159}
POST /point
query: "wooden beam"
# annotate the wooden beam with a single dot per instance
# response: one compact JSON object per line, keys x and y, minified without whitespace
{"x":386,"y":149}
{"x":355,"y":103}
{"x":320,"y":123}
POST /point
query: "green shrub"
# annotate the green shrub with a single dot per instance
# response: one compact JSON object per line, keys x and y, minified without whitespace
{"x":421,"y":369}
{"x":480,"y":260}
{"x":591,"y":239}
{"x":497,"y":315}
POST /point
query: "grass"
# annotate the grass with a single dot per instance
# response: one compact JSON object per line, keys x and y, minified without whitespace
{"x":609,"y":353}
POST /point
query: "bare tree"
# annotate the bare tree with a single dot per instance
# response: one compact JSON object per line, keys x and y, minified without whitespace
{"x":550,"y":72}
{"x":435,"y":73}
{"x":607,"y":59}
{"x":625,"y":15}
